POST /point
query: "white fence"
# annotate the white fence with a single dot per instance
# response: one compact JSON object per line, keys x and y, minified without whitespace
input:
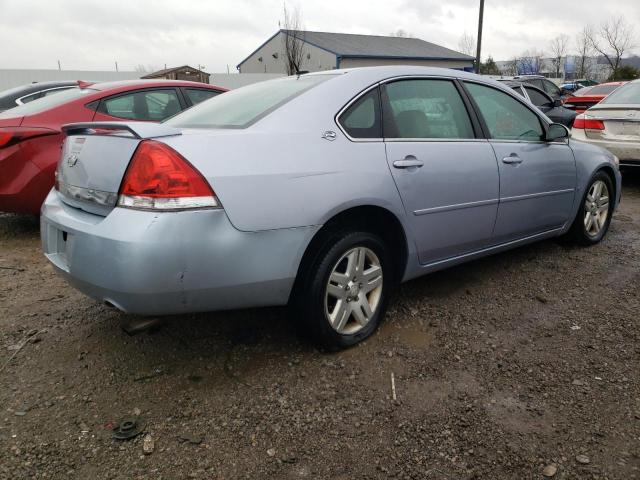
{"x":14,"y":78}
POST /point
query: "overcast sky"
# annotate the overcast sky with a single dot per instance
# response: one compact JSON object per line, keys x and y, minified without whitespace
{"x":92,"y":35}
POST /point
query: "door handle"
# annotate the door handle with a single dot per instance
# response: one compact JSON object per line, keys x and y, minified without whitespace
{"x":512,"y":159}
{"x":408,"y":162}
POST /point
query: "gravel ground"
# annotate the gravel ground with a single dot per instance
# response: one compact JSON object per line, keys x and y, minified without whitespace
{"x":505,"y":368}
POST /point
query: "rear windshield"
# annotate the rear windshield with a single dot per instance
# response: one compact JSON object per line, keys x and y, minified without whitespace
{"x":628,"y":94}
{"x":242,"y":107}
{"x":603,"y":89}
{"x":45,"y":103}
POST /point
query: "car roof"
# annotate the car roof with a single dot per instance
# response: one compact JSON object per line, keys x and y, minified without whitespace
{"x":22,"y":90}
{"x":142,"y":83}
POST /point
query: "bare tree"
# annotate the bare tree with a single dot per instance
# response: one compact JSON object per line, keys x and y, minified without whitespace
{"x":401,"y":33}
{"x":467,"y":44}
{"x":530,"y":62}
{"x":293,"y":40}
{"x":614,"y":38}
{"x":584,"y":49}
{"x":558,"y":48}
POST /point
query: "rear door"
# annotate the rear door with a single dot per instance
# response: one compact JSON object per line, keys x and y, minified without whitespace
{"x":446,"y":175}
{"x":150,"y":105}
{"x":537,"y":178}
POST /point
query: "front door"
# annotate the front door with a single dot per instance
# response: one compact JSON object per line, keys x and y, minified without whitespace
{"x":537,"y":178}
{"x":447,"y":178}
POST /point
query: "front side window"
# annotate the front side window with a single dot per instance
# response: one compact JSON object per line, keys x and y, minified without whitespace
{"x":362,"y":119}
{"x":505,"y":117}
{"x":550,"y":87}
{"x":425,"y":108}
{"x":242,"y":107}
{"x":538,"y":98}
{"x":149,"y":105}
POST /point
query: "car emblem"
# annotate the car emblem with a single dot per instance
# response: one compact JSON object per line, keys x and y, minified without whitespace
{"x":329,"y":135}
{"x":72,"y":159}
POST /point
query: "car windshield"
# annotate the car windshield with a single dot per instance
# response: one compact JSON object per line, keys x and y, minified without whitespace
{"x":603,"y":89}
{"x":245,"y":106}
{"x":628,"y":94}
{"x":45,"y":103}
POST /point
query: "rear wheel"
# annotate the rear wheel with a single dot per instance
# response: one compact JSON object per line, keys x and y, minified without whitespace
{"x":594,"y":216}
{"x":343,"y":295}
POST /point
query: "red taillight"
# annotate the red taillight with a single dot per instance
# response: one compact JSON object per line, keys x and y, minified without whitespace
{"x":12,"y":135}
{"x":158,"y":177}
{"x":583,"y":122}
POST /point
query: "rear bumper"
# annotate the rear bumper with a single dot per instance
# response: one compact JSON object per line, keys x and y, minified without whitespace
{"x":627,"y":152}
{"x":171,"y":262}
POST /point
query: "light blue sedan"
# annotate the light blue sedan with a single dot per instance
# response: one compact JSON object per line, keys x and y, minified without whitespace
{"x":322,"y":191}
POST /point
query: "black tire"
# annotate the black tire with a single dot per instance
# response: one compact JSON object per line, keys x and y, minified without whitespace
{"x":578,"y":232}
{"x":308,"y":305}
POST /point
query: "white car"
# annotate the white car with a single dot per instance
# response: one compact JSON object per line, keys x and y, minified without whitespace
{"x":614,"y":124}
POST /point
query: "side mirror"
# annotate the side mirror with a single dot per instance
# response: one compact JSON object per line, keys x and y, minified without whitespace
{"x":557,"y":103}
{"x":557,"y":131}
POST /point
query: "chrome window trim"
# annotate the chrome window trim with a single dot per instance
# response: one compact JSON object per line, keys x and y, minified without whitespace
{"x":525,"y":102}
{"x":346,"y":107}
{"x":371,"y":87}
{"x":432,"y":140}
{"x":20,"y":102}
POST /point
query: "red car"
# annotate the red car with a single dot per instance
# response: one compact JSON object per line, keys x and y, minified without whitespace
{"x":31,"y":135}
{"x":587,"y":97}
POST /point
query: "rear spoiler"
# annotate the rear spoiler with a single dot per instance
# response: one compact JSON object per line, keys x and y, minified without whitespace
{"x":139,"y":130}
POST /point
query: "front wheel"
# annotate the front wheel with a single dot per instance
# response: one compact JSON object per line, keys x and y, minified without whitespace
{"x":594,"y":216}
{"x":343,"y":295}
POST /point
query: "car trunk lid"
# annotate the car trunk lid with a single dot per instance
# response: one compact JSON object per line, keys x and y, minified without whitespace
{"x":621,"y":124}
{"x":95,"y":157}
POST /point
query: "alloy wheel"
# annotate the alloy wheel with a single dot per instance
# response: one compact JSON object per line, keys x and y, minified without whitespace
{"x":353,"y":291}
{"x":596,"y":208}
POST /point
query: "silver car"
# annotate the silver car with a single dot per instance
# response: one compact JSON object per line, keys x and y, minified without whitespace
{"x":614,"y":124}
{"x":322,"y":191}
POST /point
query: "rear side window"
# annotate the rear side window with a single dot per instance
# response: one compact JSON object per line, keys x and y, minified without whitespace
{"x":244,"y":106}
{"x":362,"y":119}
{"x":149,"y":105}
{"x":537,"y":97}
{"x":628,"y":94}
{"x":505,"y":117}
{"x":603,"y":89}
{"x":197,"y":95}
{"x":425,"y":108}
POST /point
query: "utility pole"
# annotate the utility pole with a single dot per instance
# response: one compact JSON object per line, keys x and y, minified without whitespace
{"x":479,"y":50}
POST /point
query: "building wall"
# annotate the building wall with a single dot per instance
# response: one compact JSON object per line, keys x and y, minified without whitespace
{"x":13,"y":78}
{"x":314,"y":58}
{"x":373,"y":62}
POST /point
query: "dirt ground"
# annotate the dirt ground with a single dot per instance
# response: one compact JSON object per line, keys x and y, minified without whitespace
{"x":503,"y":367}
